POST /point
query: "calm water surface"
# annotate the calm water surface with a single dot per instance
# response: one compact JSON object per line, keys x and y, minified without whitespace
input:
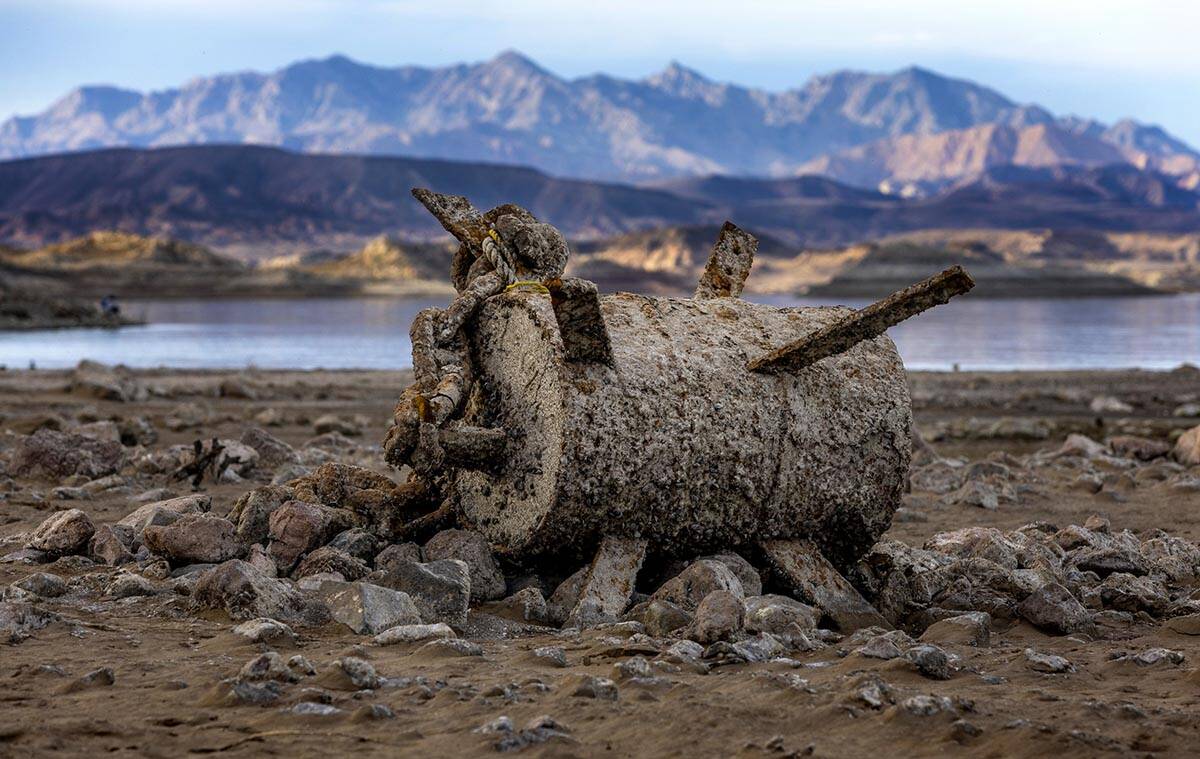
{"x":1153,"y":333}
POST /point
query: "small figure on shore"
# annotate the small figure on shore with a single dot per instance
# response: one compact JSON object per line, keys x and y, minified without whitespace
{"x":109,"y":306}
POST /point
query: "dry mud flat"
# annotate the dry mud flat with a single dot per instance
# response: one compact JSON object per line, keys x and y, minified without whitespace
{"x":1035,"y":593}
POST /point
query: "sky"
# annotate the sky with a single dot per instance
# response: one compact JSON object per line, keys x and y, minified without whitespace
{"x":1096,"y":58}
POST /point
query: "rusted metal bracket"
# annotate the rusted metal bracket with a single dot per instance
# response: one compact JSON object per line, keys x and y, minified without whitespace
{"x":866,"y":324}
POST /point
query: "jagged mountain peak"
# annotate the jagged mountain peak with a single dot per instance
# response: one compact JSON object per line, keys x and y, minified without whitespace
{"x":509,"y":109}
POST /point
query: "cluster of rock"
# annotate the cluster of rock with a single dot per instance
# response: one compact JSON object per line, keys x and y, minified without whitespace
{"x":1110,"y":470}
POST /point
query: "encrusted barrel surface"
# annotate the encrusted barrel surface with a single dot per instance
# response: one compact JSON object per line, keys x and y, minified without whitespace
{"x":677,"y":441}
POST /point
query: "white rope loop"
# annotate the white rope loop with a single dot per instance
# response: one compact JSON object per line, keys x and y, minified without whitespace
{"x":497,"y":255}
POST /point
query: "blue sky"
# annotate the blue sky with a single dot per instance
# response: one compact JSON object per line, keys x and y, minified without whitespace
{"x":1097,"y":58}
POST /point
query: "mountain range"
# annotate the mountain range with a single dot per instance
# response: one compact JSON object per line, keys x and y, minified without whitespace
{"x":909,"y":132}
{"x":256,"y":202}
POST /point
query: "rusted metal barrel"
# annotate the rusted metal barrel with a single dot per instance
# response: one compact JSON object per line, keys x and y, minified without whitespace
{"x":669,"y":436}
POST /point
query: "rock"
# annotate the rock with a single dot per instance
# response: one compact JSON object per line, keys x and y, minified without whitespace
{"x":237,"y":457}
{"x":356,"y":542}
{"x":691,"y":586}
{"x":600,"y":688}
{"x":440,"y":589}
{"x":194,"y":539}
{"x":333,"y":423}
{"x":289,"y":473}
{"x":19,"y":619}
{"x":267,"y":666}
{"x":1106,"y":404}
{"x":26,"y":556}
{"x":526,"y":605}
{"x":1049,"y":663}
{"x":886,"y":646}
{"x":103,"y":430}
{"x":1186,"y":410}
{"x":926,"y":705}
{"x":1140,"y":448}
{"x":608,"y":586}
{"x":972,"y":629}
{"x":1081,"y":445}
{"x":1187,"y":447}
{"x":1053,"y":608}
{"x":397,"y":553}
{"x":487,"y":581}
{"x":659,"y":618}
{"x":369,"y":609}
{"x":245,"y":593}
{"x":813,"y":580}
{"x":565,"y":597}
{"x":92,"y":379}
{"x":931,"y":661}
{"x":451,"y":647}
{"x":129,"y":585}
{"x":264,"y":630}
{"x":1188,"y":624}
{"x":314,"y":709}
{"x":983,"y":542}
{"x":939,"y":477}
{"x":978,"y":493}
{"x":359,"y":672}
{"x":1125,"y":592}
{"x":62,"y":533}
{"x":97,"y":678}
{"x":719,"y":616}
{"x":1109,"y":559}
{"x":1152,"y":657}
{"x":56,"y":455}
{"x":137,"y":430}
{"x":744,"y":570}
{"x":413,"y":634}
{"x":42,"y":584}
{"x":296,"y":528}
{"x":108,"y":546}
{"x":328,"y":559}
{"x":252,"y":512}
{"x":272,"y":452}
{"x":70,"y":494}
{"x":779,"y":615}
{"x":165,"y":512}
{"x":258,"y":558}
{"x":555,"y":656}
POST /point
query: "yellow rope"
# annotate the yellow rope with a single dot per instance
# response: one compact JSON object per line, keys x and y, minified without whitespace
{"x":530,"y":285}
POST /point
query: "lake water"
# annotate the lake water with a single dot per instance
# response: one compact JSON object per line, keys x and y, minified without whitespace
{"x":1154,"y":333}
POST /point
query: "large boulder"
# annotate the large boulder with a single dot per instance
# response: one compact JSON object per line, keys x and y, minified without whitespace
{"x":165,"y":512}
{"x":298,"y":527}
{"x":245,"y":593}
{"x":368,"y":609}
{"x":194,"y":539}
{"x":62,"y":533}
{"x":272,"y":452}
{"x":691,"y":586}
{"x":440,"y":589}
{"x":51,"y":454}
{"x":487,"y":581}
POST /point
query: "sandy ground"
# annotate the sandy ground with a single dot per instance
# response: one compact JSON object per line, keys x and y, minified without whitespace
{"x":166,"y":696}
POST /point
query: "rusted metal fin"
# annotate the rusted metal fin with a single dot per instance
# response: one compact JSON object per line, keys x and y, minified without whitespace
{"x":868,"y":323}
{"x":456,"y":215}
{"x":729,"y":265}
{"x":577,"y":307}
